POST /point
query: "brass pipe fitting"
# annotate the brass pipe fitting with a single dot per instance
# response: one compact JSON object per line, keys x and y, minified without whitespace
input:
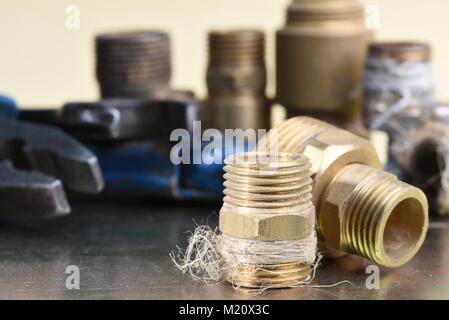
{"x":236,"y":80}
{"x":268,"y":202}
{"x":319,"y":60}
{"x":360,"y":208}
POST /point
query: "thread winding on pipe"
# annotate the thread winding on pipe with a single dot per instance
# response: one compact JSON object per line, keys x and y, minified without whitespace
{"x":267,"y":237}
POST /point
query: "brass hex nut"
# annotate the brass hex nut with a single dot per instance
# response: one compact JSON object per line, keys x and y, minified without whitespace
{"x":234,"y":80}
{"x":338,"y":146}
{"x":333,"y":149}
{"x":249,"y":225}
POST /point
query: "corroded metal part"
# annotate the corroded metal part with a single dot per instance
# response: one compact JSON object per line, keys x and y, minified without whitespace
{"x":425,"y":161}
{"x":134,"y":64}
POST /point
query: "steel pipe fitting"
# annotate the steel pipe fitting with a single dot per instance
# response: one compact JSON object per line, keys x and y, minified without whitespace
{"x":267,"y":206}
{"x":133,"y":64}
{"x":236,"y":80}
{"x":319,"y":60}
{"x":425,"y":161}
{"x":361,"y":209}
{"x":397,"y":73}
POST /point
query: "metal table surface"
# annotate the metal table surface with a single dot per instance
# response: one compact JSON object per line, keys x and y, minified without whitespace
{"x":122,"y":252}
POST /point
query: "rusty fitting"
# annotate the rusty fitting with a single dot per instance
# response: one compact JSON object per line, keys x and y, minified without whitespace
{"x":236,"y":80}
{"x":319,"y":60}
{"x":423,"y":155}
{"x":133,"y":64}
{"x":361,"y":209}
{"x":398,"y":85}
{"x":267,"y":220}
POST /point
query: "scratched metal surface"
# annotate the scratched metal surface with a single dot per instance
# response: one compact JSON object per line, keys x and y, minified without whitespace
{"x":122,"y":252}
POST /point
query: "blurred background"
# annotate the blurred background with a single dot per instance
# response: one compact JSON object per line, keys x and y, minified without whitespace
{"x":45,"y":64}
{"x":122,"y":149}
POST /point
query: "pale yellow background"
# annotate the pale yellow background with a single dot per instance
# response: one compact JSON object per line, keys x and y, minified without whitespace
{"x":44,"y":64}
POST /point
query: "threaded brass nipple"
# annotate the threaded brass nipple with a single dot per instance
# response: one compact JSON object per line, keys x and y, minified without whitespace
{"x":236,"y":79}
{"x":267,"y":220}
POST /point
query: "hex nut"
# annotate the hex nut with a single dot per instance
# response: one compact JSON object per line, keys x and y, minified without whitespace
{"x":261,"y":226}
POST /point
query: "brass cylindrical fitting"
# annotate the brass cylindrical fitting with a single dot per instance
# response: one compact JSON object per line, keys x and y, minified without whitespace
{"x":236,"y":80}
{"x":360,"y":208}
{"x":267,"y":220}
{"x":319,"y":60}
{"x":133,"y":64}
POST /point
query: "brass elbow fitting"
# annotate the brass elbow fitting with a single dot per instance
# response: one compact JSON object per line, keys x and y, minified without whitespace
{"x":267,"y":208}
{"x":361,"y":209}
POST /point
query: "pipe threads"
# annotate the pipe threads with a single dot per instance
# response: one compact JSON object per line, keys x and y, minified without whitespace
{"x":133,"y":64}
{"x":384,"y":219}
{"x":282,"y":183}
{"x":269,"y":276}
{"x":306,"y":10}
{"x":236,"y":64}
{"x":268,"y":216}
{"x":237,"y":47}
{"x":292,"y":135}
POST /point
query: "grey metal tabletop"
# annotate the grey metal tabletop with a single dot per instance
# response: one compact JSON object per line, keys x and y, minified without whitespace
{"x":122,"y":252}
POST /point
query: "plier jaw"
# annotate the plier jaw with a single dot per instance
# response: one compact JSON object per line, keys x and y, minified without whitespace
{"x":36,"y":161}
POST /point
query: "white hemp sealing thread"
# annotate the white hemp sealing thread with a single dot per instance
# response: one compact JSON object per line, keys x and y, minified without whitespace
{"x":404,"y":78}
{"x":256,"y":252}
{"x":209,"y":255}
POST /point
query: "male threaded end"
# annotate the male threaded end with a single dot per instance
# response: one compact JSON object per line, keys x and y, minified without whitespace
{"x":301,"y":11}
{"x":383,"y":219}
{"x":269,"y":276}
{"x":292,"y":135}
{"x":283,"y":185}
{"x":267,"y":220}
{"x":133,"y":64}
{"x":236,"y":46}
